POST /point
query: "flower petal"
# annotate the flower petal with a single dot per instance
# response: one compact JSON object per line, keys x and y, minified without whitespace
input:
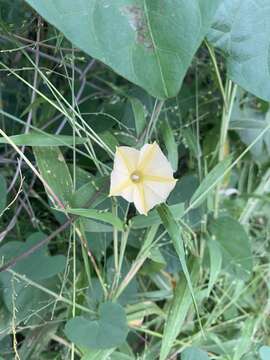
{"x":161,"y":189}
{"x":121,"y":185}
{"x":145,"y":198}
{"x":126,"y":159}
{"x":154,"y":163}
{"x":139,"y":199}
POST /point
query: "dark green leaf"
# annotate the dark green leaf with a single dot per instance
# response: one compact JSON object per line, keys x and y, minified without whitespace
{"x":108,"y":331}
{"x":151,"y":43}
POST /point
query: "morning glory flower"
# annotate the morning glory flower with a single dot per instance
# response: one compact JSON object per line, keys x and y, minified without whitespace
{"x":144,"y":177}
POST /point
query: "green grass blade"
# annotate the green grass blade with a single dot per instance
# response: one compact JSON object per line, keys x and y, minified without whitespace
{"x":178,"y":311}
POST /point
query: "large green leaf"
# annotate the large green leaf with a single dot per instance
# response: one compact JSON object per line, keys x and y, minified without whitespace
{"x":235,"y":246}
{"x":108,"y":331}
{"x":242,"y":30}
{"x":151,"y":43}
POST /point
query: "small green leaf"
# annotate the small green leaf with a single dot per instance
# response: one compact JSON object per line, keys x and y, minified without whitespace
{"x":54,"y":171}
{"x":234,"y":244}
{"x":3,"y":194}
{"x":194,"y":353}
{"x":264,"y":353}
{"x":38,"y":139}
{"x":209,"y":182}
{"x":215,"y":262}
{"x":104,"y":216}
{"x":109,"y":330}
{"x":177,"y":312}
{"x":139,"y":114}
{"x":170,"y":143}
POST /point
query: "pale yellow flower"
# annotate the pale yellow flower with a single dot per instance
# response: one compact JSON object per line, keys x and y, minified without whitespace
{"x":143,"y":177}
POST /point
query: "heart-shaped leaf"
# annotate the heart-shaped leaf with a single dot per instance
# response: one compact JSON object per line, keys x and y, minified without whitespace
{"x":151,"y":43}
{"x":37,"y":266}
{"x":242,"y":30}
{"x":110,"y":330}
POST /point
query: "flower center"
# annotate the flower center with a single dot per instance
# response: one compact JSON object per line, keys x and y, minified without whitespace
{"x":136,"y":177}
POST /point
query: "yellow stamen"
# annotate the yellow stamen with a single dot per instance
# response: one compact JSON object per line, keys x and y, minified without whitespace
{"x":136,"y":177}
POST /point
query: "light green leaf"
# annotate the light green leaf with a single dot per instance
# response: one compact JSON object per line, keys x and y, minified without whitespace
{"x":139,"y":113}
{"x":38,"y":139}
{"x":54,"y":170}
{"x":3,"y":193}
{"x":94,"y":191}
{"x":174,"y":231}
{"x":249,"y":121}
{"x":109,"y":330}
{"x":177,"y":312}
{"x":97,"y":354}
{"x":215,"y":255}
{"x":209,"y":182}
{"x":235,"y":246}
{"x":194,"y":353}
{"x":151,"y":43}
{"x":104,"y":216}
{"x":170,"y":143}
{"x":242,"y":30}
{"x":264,"y":353}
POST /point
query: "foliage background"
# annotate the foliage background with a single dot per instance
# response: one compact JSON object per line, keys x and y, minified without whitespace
{"x":84,"y":276}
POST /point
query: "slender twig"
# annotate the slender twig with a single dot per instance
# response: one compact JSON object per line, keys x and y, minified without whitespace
{"x":30,"y":114}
